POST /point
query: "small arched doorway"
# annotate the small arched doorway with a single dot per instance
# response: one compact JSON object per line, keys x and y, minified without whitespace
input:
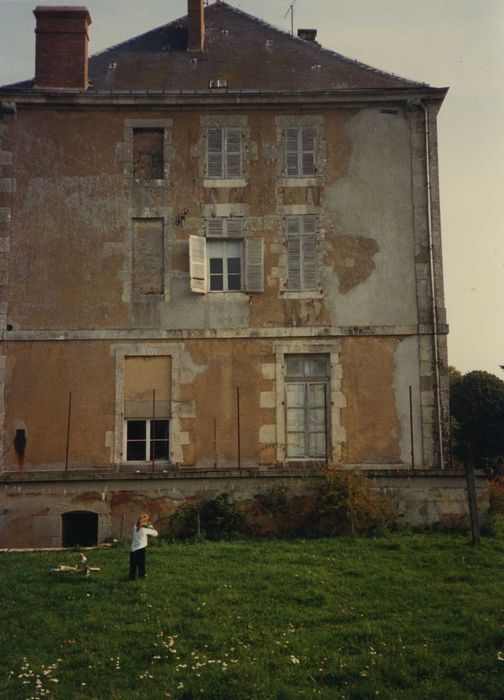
{"x":79,"y":528}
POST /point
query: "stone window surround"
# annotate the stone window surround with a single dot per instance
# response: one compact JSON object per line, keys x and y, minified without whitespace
{"x":165,"y":214}
{"x":121,"y":351}
{"x":282,"y":123}
{"x":284,"y":292}
{"x":129,"y":126}
{"x":337,"y":434}
{"x":229,"y":120}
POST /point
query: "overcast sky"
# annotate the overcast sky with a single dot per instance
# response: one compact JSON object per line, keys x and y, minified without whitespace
{"x":454,"y":43}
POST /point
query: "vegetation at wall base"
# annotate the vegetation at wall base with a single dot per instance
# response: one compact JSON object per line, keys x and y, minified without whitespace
{"x":400,"y":616}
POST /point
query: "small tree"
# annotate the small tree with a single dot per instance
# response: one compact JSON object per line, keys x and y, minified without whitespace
{"x":477,"y":406}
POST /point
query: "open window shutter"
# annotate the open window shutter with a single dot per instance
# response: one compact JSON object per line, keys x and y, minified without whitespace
{"x":215,"y":228}
{"x":293,"y":253}
{"x":215,"y":152}
{"x":309,"y":252}
{"x":197,"y":264}
{"x":233,"y":152}
{"x":254,"y":274}
{"x":308,"y":148}
{"x":291,"y":151}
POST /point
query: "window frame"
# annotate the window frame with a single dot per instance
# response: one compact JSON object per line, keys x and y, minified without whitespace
{"x":306,"y":380}
{"x":297,"y":152}
{"x":148,"y":440}
{"x":228,"y":168}
{"x":301,"y":231}
{"x":225,"y":243}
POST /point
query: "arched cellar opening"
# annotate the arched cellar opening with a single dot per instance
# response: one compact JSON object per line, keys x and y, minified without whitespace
{"x":79,"y":528}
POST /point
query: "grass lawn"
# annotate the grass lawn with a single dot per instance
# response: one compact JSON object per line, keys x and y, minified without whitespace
{"x":401,"y":616}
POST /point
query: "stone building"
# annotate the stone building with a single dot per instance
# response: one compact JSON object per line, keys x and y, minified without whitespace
{"x":221,"y":267}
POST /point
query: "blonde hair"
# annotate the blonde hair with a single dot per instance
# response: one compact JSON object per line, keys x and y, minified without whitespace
{"x":143,"y":520}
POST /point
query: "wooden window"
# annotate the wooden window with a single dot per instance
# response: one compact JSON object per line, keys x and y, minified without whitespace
{"x":148,"y":154}
{"x":225,"y":260}
{"x":306,"y":406}
{"x":148,"y":256}
{"x":147,"y":440}
{"x":302,"y":265}
{"x":300,"y":157}
{"x":224,"y":152}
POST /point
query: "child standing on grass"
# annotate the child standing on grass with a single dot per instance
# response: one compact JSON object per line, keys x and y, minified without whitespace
{"x":141,"y":531}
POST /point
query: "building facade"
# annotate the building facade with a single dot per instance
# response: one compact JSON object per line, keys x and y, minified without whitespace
{"x":221,"y":266}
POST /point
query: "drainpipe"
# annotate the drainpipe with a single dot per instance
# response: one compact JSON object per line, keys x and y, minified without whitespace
{"x":435,"y":323}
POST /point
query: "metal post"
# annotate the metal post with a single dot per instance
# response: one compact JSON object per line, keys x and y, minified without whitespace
{"x":152,"y":446}
{"x":238,"y":425}
{"x":473,"y":502}
{"x":68,"y":430}
{"x":326,"y":427}
{"x":215,"y":441}
{"x":411,"y":428}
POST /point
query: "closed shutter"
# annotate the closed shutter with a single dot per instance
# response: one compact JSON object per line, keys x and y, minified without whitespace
{"x":293,"y":253}
{"x":215,"y":152}
{"x":254,"y":273}
{"x":308,"y":150}
{"x":215,"y":228}
{"x":292,"y":151}
{"x":233,"y":152}
{"x":197,"y":264}
{"x":234,"y":227}
{"x":309,"y":252}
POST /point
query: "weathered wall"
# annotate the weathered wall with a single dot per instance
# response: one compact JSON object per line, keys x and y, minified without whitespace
{"x":77,"y":204}
{"x":30,"y":513}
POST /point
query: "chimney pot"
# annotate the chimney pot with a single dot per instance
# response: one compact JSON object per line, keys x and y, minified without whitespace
{"x":307,"y":34}
{"x":195,"y":25}
{"x":61,"y":48}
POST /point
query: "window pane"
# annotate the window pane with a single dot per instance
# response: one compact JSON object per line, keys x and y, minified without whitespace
{"x":216,"y":265}
{"x":234,"y":283}
{"x":136,"y":451}
{"x":216,"y":283}
{"x":234,"y":265}
{"x":317,"y":366}
{"x":294,"y":365}
{"x":316,"y":395}
{"x":159,"y":449}
{"x":136,"y":430}
{"x":295,"y":394}
{"x":159,"y":429}
{"x":317,"y":444}
{"x":317,"y":419}
{"x":295,"y":445}
{"x":295,"y":419}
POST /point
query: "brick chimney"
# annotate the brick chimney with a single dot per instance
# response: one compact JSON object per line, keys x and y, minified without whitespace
{"x":61,"y":50}
{"x":195,"y":25}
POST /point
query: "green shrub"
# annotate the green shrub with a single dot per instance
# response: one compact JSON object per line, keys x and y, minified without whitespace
{"x":218,"y":518}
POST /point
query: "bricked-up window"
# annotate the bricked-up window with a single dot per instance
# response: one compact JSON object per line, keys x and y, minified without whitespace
{"x":225,"y":260}
{"x":302,"y":274}
{"x":148,"y":154}
{"x":306,"y":406}
{"x":148,"y":256}
{"x":224,"y":152}
{"x":300,"y":157}
{"x":147,"y":407}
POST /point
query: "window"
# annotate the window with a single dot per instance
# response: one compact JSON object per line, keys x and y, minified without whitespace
{"x":147,"y":401}
{"x":148,"y":256}
{"x":224,"y":152}
{"x":225,"y":261}
{"x":306,"y":406}
{"x":147,"y":440}
{"x":148,"y":154}
{"x":300,"y":160}
{"x":302,"y":253}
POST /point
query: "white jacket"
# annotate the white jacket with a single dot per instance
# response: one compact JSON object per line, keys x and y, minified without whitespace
{"x":140,"y":535}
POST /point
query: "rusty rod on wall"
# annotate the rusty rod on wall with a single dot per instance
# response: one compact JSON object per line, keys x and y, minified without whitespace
{"x":68,"y":430}
{"x":238,"y":426}
{"x":151,"y":433}
{"x":411,"y":428}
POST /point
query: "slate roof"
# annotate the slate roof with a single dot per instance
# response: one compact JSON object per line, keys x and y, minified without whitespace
{"x":249,"y":53}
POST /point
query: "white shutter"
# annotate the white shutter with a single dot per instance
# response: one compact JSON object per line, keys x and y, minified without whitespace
{"x":292,"y":151}
{"x":233,"y":152}
{"x":309,"y":252}
{"x":197,"y":264}
{"x":234,"y":227}
{"x":254,"y":256}
{"x":308,"y":150}
{"x":293,"y":253}
{"x":215,"y":227}
{"x":215,"y":152}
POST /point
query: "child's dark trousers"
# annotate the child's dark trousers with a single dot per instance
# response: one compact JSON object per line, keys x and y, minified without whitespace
{"x":137,"y":563}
